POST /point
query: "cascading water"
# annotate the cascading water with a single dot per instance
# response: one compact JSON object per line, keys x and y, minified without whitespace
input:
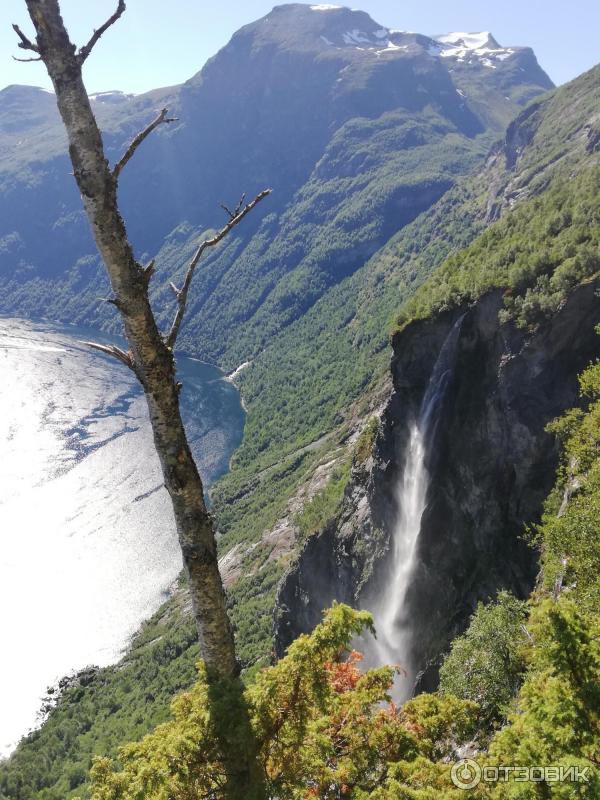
{"x":394,"y":631}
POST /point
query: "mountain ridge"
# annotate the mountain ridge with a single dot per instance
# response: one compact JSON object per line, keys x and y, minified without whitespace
{"x":372,"y":116}
{"x":316,"y":379}
{"x":345,"y":332}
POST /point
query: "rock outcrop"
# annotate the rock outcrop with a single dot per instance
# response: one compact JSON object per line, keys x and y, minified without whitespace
{"x":492,"y":467}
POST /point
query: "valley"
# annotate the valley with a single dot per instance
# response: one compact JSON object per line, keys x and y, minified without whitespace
{"x":421,"y":186}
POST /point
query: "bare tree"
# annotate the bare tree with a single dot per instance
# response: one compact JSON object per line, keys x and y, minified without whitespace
{"x":150,"y":354}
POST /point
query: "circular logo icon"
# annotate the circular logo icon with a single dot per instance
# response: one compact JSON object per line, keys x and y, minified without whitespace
{"x":466,"y":773}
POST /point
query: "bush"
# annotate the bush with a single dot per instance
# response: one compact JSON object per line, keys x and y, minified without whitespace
{"x":324,"y":728}
{"x":486,"y":663}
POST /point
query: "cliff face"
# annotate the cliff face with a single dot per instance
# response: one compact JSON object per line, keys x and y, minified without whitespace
{"x":490,"y":468}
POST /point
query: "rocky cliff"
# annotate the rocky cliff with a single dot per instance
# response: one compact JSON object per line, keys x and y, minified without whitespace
{"x":491,"y":467}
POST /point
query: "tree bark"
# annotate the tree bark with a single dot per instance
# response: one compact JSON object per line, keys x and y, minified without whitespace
{"x":151,"y":359}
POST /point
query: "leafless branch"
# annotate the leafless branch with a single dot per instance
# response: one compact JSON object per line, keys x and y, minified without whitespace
{"x":237,"y":210}
{"x":112,"y":350}
{"x":526,"y":632}
{"x":162,"y":118}
{"x":27,"y":60}
{"x":87,"y":49}
{"x":25,"y":43}
{"x":182,"y":293}
{"x":111,"y":300}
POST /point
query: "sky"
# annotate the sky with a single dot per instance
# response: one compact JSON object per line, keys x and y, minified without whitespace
{"x":160,"y":44}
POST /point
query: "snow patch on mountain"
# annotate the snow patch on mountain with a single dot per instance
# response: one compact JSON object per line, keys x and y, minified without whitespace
{"x":469,"y":41}
{"x":356,"y":37}
{"x":324,"y":7}
{"x":467,"y":47}
{"x":110,"y":97}
{"x":390,"y":48}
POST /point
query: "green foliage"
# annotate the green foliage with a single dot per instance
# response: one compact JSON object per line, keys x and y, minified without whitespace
{"x":537,"y":254}
{"x":556,"y":716}
{"x":486,"y":664}
{"x":364,"y":445}
{"x":118,"y":705}
{"x":570,"y":531}
{"x":308,"y":369}
{"x":325,"y":730}
{"x":325,"y":505}
{"x":556,"y":721}
{"x":250,"y":605}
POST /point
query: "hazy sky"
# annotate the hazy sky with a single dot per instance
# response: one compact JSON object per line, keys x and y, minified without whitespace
{"x":159,"y":44}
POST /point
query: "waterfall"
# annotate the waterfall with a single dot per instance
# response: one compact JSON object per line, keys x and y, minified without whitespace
{"x":394,"y":631}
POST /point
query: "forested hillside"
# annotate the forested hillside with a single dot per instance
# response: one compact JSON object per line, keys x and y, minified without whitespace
{"x":394,"y":119}
{"x":520,"y":687}
{"x":558,"y":214}
{"x":385,"y":184}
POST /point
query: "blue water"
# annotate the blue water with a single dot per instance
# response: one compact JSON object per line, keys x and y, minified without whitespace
{"x":87,"y":539}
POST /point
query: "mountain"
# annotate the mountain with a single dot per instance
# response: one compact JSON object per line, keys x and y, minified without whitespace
{"x":314,"y":473}
{"x":355,"y":127}
{"x":524,"y":295}
{"x":380,"y":147}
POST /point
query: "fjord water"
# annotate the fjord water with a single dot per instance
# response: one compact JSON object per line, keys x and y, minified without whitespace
{"x":392,"y":618}
{"x":88,"y":545}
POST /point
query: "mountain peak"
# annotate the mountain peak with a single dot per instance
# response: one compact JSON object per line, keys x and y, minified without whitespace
{"x":469,"y":41}
{"x":310,"y":27}
{"x":25,"y":107}
{"x":345,"y":32}
{"x":16,"y":90}
{"x":480,"y":48}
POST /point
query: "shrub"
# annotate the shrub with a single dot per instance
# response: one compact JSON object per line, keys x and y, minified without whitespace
{"x":486,"y":663}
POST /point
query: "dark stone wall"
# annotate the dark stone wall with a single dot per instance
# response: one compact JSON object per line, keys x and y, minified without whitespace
{"x":491,"y":467}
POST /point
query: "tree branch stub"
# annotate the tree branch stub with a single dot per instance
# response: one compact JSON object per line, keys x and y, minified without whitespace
{"x":25,"y":43}
{"x":182,"y":293}
{"x":87,"y":49}
{"x":111,"y":350}
{"x":26,"y":60}
{"x":161,"y":119}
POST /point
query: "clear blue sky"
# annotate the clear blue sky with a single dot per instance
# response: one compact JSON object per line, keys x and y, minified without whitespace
{"x":160,"y":43}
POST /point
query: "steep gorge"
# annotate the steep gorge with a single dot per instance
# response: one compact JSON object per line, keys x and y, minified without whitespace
{"x":308,"y":388}
{"x":492,"y":466}
{"x":527,"y":293}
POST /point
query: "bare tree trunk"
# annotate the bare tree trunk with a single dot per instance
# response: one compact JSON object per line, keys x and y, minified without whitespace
{"x":151,"y":358}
